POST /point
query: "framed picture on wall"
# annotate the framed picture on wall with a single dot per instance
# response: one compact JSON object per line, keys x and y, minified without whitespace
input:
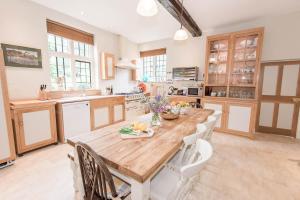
{"x":18,"y":56}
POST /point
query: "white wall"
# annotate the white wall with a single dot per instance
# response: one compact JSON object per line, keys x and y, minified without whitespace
{"x":24,"y":23}
{"x":281,"y":41}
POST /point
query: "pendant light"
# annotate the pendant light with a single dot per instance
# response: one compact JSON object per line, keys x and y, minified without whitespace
{"x":147,"y":8}
{"x":181,"y":34}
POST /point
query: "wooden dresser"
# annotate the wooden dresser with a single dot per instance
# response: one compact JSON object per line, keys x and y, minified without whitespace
{"x":231,"y":79}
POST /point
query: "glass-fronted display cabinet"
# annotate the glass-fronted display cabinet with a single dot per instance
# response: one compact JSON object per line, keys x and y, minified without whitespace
{"x":217,"y":67}
{"x":232,"y":64}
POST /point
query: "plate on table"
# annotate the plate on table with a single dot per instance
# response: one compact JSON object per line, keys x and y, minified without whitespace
{"x":136,"y":130}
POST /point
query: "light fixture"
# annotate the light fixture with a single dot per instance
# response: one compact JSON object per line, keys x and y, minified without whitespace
{"x":181,"y":34}
{"x":147,"y":8}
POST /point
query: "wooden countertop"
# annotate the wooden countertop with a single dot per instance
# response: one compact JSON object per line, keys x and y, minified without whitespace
{"x":30,"y":103}
{"x":141,"y":158}
{"x":36,"y":103}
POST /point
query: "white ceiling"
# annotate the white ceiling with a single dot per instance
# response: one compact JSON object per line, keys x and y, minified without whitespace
{"x":120,"y":17}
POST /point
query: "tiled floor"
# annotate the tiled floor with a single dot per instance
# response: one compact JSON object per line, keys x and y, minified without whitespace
{"x":266,"y":168}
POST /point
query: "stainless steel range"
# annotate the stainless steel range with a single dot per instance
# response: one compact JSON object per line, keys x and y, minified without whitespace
{"x":133,"y":105}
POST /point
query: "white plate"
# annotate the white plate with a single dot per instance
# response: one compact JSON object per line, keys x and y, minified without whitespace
{"x":150,"y":133}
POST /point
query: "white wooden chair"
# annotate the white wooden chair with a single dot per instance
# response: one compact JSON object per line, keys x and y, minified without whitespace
{"x":210,"y":124}
{"x":217,"y":114}
{"x":171,"y":185}
{"x":189,"y":144}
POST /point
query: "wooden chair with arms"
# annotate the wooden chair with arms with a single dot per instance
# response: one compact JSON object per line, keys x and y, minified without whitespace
{"x":98,"y":182}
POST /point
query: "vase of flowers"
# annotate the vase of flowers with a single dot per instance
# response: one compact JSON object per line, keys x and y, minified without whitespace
{"x":157,"y":105}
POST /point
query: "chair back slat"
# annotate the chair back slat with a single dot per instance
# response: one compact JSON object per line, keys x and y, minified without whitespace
{"x":210,"y":125}
{"x":200,"y":156}
{"x":95,"y":174}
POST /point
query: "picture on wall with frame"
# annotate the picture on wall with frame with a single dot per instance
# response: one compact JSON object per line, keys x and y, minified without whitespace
{"x":19,"y":56}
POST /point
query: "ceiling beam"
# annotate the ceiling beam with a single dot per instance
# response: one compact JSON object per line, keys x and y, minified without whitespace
{"x":174,"y":8}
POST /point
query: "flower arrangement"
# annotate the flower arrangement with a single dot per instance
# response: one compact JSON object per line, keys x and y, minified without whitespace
{"x":157,"y":105}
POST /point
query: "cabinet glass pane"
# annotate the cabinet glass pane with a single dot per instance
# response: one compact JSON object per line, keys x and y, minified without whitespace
{"x":242,"y":92}
{"x":240,"y":43}
{"x":215,"y":91}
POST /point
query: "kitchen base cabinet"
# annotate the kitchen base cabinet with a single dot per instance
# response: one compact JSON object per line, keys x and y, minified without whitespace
{"x":119,"y":113}
{"x":218,"y":106}
{"x":241,"y":118}
{"x":34,"y":125}
{"x":238,"y":117}
{"x":101,"y":116}
{"x":107,"y":111}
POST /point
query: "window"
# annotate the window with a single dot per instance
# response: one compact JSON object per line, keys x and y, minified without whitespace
{"x":154,"y":65}
{"x":83,"y":74}
{"x":70,"y":63}
{"x":71,"y":57}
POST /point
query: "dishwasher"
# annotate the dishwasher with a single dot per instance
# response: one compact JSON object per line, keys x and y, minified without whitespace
{"x":76,"y":118}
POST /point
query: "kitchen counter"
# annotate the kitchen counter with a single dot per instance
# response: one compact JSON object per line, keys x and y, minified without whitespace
{"x":35,"y":102}
{"x":84,"y":98}
{"x":30,"y":103}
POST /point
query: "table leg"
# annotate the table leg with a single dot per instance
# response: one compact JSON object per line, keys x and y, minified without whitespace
{"x":140,"y":191}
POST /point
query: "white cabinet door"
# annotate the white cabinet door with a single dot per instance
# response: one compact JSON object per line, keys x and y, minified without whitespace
{"x":101,"y":117}
{"x":37,"y":126}
{"x":118,"y":113}
{"x":216,"y":107}
{"x":239,"y":118}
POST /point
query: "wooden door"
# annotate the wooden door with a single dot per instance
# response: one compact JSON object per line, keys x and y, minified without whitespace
{"x":219,"y":106}
{"x":101,"y":116}
{"x":278,"y":110}
{"x":37,"y":128}
{"x":7,"y":148}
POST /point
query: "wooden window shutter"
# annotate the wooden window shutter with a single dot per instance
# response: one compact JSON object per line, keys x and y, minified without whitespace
{"x":57,"y":28}
{"x":154,"y":52}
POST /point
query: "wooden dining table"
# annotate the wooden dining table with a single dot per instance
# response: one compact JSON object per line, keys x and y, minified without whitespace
{"x":138,"y":160}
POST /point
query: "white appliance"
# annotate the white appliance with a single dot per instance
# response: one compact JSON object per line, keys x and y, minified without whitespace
{"x":76,"y":118}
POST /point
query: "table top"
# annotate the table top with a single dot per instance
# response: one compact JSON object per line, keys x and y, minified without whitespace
{"x":141,"y":158}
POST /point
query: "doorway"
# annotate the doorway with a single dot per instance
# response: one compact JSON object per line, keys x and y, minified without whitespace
{"x":278,"y":95}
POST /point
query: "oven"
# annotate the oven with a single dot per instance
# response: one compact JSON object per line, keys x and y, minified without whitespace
{"x":133,"y":109}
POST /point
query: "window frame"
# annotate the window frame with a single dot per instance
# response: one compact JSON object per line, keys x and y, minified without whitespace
{"x":156,"y":67}
{"x":73,"y":58}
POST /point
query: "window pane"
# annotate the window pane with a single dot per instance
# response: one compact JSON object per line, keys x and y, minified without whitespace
{"x":83,"y":74}
{"x":66,"y":46}
{"x":76,"y":48}
{"x":51,"y":42}
{"x":154,"y":68}
{"x":81,"y":49}
{"x":58,"y":41}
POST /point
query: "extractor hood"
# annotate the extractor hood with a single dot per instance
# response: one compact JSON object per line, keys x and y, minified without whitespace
{"x":125,"y":63}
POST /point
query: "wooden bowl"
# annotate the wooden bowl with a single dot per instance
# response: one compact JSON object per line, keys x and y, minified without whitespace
{"x":169,"y":116}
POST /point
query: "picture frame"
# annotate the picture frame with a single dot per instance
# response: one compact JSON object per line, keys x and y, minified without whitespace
{"x":19,"y":56}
